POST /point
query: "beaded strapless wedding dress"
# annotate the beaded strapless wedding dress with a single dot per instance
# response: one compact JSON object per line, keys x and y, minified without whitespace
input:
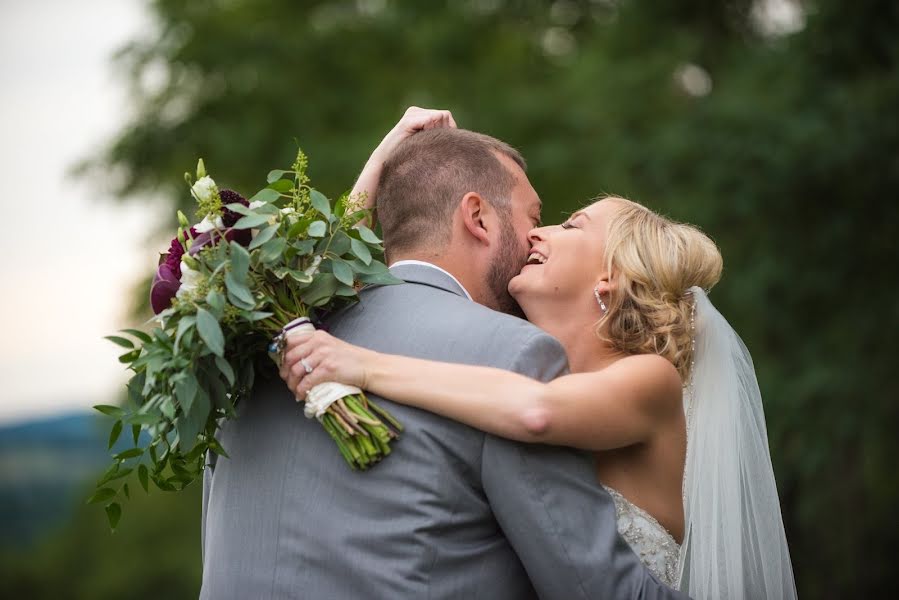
{"x":649,"y":540}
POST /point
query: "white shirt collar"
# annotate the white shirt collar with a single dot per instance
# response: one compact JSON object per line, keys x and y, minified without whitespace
{"x":422,"y":263}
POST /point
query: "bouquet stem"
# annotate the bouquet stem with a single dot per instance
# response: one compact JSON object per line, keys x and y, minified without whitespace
{"x":349,"y":417}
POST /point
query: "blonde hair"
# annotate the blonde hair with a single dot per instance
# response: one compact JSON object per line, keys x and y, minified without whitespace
{"x":652,"y":262}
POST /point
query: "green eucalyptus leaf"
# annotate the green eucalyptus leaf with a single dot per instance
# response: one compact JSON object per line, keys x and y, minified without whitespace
{"x":361,"y":251}
{"x":265,"y":195}
{"x":110,"y":473}
{"x":258,"y":315}
{"x":119,"y":474}
{"x":251,"y":221}
{"x":272,"y":250}
{"x":143,"y":419}
{"x":183,"y":325}
{"x":112,"y":411}
{"x":135,"y":433}
{"x":143,"y":475}
{"x":123,"y":342}
{"x":367,"y":235}
{"x":202,"y":407}
{"x":317,"y":229}
{"x":167,"y":407}
{"x":304,"y":247}
{"x":282,"y":185}
{"x":216,"y":447}
{"x":322,"y":288}
{"x":113,"y":515}
{"x":213,"y":383}
{"x":210,"y":332}
{"x":186,"y":390}
{"x":373,"y":268}
{"x":240,"y":261}
{"x":320,"y":203}
{"x":239,"y":208}
{"x":216,"y":302}
{"x":298,"y":228}
{"x":130,"y":453}
{"x":192,"y":423}
{"x":340,"y":243}
{"x":114,"y":434}
{"x":342,"y":272}
{"x":225,"y":367}
{"x":239,"y":294}
{"x":263,"y":236}
{"x":135,"y":389}
{"x":142,"y":336}
{"x":101,"y":495}
{"x":380,"y":279}
{"x":340,"y":206}
{"x":129,"y":356}
{"x":345,"y":291}
{"x":276,"y":174}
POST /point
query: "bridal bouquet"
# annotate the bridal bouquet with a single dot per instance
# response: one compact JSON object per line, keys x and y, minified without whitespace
{"x":248,"y":273}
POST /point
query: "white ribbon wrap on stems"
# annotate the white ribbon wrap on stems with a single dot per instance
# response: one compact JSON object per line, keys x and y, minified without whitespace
{"x":322,"y":396}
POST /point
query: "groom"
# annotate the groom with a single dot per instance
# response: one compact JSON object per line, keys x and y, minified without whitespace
{"x":452,"y":512}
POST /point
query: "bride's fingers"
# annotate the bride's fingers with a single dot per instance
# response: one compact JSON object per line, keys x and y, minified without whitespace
{"x":300,"y":348}
{"x":309,"y":379}
{"x":300,"y":369}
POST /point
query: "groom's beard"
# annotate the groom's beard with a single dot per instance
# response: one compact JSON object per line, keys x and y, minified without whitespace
{"x":509,"y":261}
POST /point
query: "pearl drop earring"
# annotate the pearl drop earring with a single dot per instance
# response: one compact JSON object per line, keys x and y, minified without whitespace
{"x":602,"y":305}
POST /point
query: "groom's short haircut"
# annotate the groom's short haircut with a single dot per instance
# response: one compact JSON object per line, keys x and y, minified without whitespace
{"x":427,"y":175}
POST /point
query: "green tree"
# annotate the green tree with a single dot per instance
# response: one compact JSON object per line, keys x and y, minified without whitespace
{"x":154,"y":553}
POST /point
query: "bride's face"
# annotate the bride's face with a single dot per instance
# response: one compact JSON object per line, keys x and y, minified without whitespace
{"x":566,"y":261}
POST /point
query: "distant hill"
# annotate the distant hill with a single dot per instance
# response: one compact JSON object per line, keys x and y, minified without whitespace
{"x":45,"y":465}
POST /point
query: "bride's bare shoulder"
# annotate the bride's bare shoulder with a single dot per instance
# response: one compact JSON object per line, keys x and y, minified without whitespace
{"x":652,"y":379}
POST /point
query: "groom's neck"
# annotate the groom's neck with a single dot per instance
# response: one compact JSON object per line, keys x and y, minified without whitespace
{"x":464,"y":269}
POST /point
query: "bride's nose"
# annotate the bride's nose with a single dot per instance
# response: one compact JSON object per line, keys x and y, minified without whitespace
{"x":537,"y":234}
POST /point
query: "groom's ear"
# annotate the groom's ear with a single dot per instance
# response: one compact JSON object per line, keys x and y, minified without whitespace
{"x":474,"y":216}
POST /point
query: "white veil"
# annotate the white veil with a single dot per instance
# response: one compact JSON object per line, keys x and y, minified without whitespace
{"x":734,"y":544}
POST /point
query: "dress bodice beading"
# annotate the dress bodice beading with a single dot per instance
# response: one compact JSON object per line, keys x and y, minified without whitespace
{"x":648,"y":539}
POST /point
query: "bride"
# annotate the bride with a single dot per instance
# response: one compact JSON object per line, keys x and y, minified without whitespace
{"x":661,"y":389}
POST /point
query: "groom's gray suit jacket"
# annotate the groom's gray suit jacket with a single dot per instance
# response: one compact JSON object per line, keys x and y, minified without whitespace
{"x":451,"y":513}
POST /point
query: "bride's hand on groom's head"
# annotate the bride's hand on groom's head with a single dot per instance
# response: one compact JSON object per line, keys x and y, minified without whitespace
{"x":415,"y":119}
{"x":315,"y":357}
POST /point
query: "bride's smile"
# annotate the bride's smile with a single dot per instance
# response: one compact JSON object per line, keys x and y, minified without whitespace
{"x":565,"y":263}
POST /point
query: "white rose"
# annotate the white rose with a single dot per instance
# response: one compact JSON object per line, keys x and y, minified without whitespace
{"x":189,"y":280}
{"x":205,"y":188}
{"x":206,"y":225}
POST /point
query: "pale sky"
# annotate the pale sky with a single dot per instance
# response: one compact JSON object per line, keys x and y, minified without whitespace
{"x":69,"y":256}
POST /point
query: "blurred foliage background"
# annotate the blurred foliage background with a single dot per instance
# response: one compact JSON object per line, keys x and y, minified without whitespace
{"x":771,"y":124}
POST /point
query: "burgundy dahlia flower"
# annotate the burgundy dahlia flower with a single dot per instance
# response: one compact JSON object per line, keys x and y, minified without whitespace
{"x":229,"y":217}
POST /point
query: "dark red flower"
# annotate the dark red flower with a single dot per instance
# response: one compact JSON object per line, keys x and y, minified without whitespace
{"x":165,"y":286}
{"x":176,"y":251}
{"x":229,"y":217}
